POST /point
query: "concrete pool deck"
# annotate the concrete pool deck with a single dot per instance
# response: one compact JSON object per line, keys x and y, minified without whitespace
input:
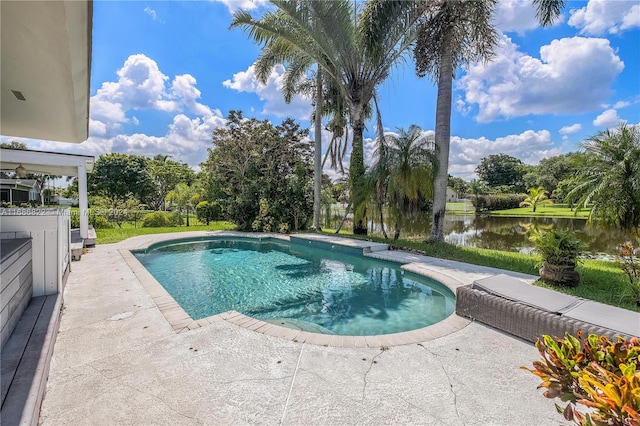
{"x":117,"y":360}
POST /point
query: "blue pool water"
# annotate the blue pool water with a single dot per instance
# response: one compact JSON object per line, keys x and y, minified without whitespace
{"x":333,"y":290}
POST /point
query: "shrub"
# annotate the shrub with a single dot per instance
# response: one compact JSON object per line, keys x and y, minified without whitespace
{"x":264,"y":222}
{"x":75,"y":219}
{"x":206,"y":211}
{"x":595,"y":373}
{"x":559,"y":253}
{"x":630,"y":264}
{"x":175,"y":219}
{"x":556,"y":247}
{"x":497,"y":202}
{"x":283,"y":228}
{"x":100,"y":222}
{"x":155,"y":220}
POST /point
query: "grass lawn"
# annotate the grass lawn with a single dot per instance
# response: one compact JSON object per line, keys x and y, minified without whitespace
{"x":601,"y":281}
{"x":114,"y":235}
{"x":460,"y":208}
{"x":544,"y":211}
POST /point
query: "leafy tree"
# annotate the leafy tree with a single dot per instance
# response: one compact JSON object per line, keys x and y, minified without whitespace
{"x":71,"y":191}
{"x":116,"y":210}
{"x":451,"y":34}
{"x":340,"y":190}
{"x":501,"y":169}
{"x":14,"y":145}
{"x":460,"y":185}
{"x":551,"y":171}
{"x":255,"y":163}
{"x":537,"y":197}
{"x":185,"y":197}
{"x":610,"y":178}
{"x":329,"y":33}
{"x":206,"y":211}
{"x":477,"y":188}
{"x":166,"y":174}
{"x":121,"y":176}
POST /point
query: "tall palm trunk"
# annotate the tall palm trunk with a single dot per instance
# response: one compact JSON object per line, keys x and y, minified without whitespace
{"x":396,"y":234}
{"x":384,"y":232}
{"x":317,"y":154}
{"x":344,"y":218}
{"x":356,"y":173}
{"x":442,"y":140}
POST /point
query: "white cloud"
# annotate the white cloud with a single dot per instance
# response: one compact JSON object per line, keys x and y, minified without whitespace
{"x":608,"y":118}
{"x":105,"y":109}
{"x":621,"y":104}
{"x":529,"y":146}
{"x":186,"y":139}
{"x":632,"y":18}
{"x":270,"y":93}
{"x":184,"y":89}
{"x":567,"y":130}
{"x":97,"y":128}
{"x":140,"y":85}
{"x":515,"y":15}
{"x":462,"y":107}
{"x":516,"y":84}
{"x":151,"y":13}
{"x":606,"y":16}
{"x":235,"y":5}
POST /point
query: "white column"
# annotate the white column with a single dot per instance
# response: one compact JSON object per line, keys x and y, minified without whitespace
{"x":83,"y":201}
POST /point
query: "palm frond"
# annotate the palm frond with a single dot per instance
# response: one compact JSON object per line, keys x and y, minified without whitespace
{"x":547,"y":11}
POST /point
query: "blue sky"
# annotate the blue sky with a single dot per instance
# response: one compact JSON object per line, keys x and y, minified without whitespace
{"x":165,"y":74}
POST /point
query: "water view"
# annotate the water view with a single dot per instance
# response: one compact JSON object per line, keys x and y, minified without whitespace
{"x":505,"y":233}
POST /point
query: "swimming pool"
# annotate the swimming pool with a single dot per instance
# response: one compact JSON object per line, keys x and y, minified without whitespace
{"x":313,"y":287}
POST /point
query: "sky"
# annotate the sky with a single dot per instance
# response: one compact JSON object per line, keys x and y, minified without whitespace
{"x":165,"y":74}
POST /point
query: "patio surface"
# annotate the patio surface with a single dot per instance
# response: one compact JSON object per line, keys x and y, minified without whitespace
{"x":117,"y":360}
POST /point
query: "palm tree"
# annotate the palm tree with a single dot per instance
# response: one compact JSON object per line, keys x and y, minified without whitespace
{"x":451,"y":34}
{"x":405,"y":165}
{"x":609,"y":179}
{"x":329,"y":33}
{"x":327,"y":102}
{"x":537,"y":196}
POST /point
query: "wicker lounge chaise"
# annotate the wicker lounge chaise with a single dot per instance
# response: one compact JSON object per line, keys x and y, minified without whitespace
{"x":528,"y":312}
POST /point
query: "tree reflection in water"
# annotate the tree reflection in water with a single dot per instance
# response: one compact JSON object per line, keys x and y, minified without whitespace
{"x":506,"y":233}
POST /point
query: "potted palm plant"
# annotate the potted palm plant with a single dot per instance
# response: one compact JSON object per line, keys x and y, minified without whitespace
{"x":559,"y":252}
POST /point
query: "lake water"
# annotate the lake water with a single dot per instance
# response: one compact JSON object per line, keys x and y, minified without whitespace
{"x":507,"y":233}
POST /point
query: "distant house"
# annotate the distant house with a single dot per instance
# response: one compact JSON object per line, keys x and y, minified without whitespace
{"x":20,"y":191}
{"x":452,"y":195}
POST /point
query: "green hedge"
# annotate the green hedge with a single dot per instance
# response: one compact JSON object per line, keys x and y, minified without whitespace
{"x":497,"y":202}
